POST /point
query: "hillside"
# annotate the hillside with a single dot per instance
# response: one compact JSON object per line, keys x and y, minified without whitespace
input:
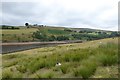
{"x":48,"y":33}
{"x":92,"y":59}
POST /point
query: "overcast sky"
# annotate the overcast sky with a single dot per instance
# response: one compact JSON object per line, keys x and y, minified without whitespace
{"x":96,"y":14}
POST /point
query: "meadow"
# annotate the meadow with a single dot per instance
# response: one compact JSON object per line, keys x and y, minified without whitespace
{"x":24,"y":34}
{"x":91,"y":59}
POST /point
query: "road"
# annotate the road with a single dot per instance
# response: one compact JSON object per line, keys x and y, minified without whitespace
{"x":21,"y":46}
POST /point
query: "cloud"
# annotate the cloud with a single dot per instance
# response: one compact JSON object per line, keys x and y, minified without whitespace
{"x":98,"y":14}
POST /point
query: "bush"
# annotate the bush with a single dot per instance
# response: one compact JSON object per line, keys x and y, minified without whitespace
{"x":62,"y":38}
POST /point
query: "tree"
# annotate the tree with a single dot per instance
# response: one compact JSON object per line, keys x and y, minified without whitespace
{"x":26,"y":24}
{"x":62,"y":38}
{"x":114,"y":34}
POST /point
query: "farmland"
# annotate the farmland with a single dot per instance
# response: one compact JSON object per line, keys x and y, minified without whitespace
{"x":24,"y":34}
{"x":91,"y":59}
{"x":17,"y":35}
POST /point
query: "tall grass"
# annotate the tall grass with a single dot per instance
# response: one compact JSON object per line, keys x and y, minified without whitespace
{"x":36,"y":65}
{"x":6,"y":73}
{"x":87,"y":68}
{"x":12,"y":56}
{"x":107,"y":60}
{"x":64,"y":68}
{"x":75,"y":55}
{"x":10,"y":63}
{"x":107,"y":54}
{"x":48,"y":75}
{"x":81,"y":62}
{"x":21,"y":68}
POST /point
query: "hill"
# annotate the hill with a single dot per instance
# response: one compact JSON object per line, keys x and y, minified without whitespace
{"x":92,"y":59}
{"x":49,"y":33}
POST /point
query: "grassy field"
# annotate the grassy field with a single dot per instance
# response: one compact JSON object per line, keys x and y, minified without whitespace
{"x":26,"y":34}
{"x":93,"y":59}
{"x":23,"y":34}
{"x":19,"y":31}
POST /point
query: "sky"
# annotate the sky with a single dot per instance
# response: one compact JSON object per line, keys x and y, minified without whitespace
{"x":95,"y":14}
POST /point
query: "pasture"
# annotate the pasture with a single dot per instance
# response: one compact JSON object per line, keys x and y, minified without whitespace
{"x":92,"y":59}
{"x":23,"y":34}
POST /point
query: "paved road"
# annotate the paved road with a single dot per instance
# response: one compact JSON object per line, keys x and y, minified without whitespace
{"x":14,"y":47}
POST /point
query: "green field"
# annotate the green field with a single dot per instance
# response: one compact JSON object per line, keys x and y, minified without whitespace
{"x":92,"y":59}
{"x":24,"y":34}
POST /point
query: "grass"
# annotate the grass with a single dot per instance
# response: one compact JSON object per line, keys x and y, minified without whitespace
{"x":23,"y":34}
{"x":19,"y":31}
{"x":48,"y":75}
{"x":35,"y":65}
{"x":64,"y":68}
{"x":107,"y":60}
{"x":77,"y":60}
{"x":21,"y":68}
{"x":87,"y":68}
{"x":7,"y":73}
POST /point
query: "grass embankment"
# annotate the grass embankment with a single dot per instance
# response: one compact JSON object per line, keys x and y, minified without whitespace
{"x":96,"y":59}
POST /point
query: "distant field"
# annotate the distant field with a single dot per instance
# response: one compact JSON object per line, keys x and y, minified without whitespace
{"x":23,"y":34}
{"x":50,"y":33}
{"x":92,"y":59}
{"x":19,"y":31}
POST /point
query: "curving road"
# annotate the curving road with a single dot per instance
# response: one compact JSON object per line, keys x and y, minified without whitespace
{"x":14,"y":47}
